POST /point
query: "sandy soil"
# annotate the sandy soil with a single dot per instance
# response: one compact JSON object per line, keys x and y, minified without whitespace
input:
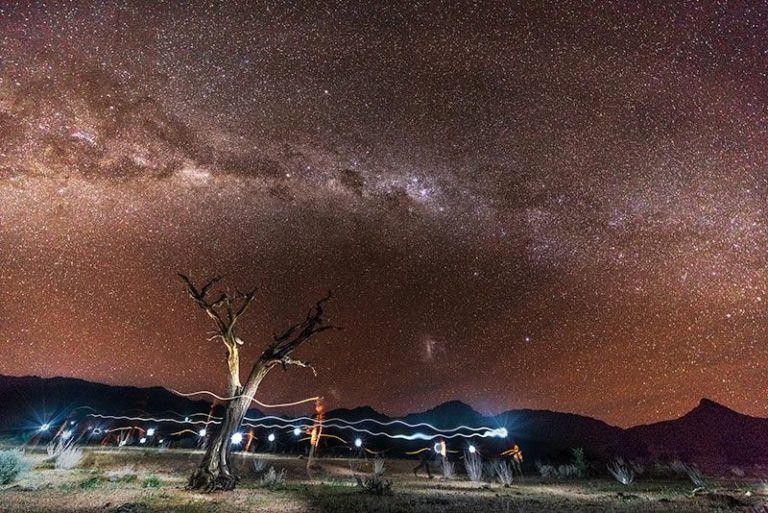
{"x":144,"y":481}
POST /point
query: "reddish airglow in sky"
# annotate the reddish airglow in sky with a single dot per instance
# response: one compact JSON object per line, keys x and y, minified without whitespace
{"x":555,"y":207}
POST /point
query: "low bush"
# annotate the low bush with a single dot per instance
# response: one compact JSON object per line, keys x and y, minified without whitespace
{"x":569,"y":471}
{"x":126,"y":474}
{"x":259,"y":465}
{"x":622,"y":471}
{"x":151,"y":482}
{"x":90,"y":483}
{"x":473,"y":464}
{"x":504,"y":472}
{"x":12,"y":463}
{"x":690,"y":471}
{"x":68,"y":457}
{"x":447,"y":468}
{"x":273,"y":479}
{"x":375,"y":484}
{"x":580,"y":462}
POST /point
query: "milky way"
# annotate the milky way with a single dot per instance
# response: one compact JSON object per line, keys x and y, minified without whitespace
{"x":556,"y":207}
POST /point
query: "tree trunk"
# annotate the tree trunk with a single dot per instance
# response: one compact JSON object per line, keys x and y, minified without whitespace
{"x":214,"y":472}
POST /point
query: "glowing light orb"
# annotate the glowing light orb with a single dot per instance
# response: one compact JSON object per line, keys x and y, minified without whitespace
{"x":45,"y":427}
{"x":358,"y":442}
{"x":502,"y":432}
{"x":203,"y":432}
{"x":271,"y":437}
{"x":161,"y":440}
{"x":472,"y":449}
{"x":296,"y":431}
{"x":151,"y":432}
{"x":237,"y":438}
{"x":143,"y":440}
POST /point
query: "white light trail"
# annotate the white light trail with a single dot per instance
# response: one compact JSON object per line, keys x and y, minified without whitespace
{"x":470,"y":431}
{"x":253,"y":399}
{"x":378,"y":422}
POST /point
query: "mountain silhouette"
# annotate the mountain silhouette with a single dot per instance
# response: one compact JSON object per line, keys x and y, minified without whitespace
{"x":709,"y":434}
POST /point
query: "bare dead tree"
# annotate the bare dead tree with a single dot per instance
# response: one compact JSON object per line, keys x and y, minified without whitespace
{"x":225,"y":310}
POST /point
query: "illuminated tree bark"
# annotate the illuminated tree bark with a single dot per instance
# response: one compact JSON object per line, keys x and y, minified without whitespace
{"x":214,"y":471}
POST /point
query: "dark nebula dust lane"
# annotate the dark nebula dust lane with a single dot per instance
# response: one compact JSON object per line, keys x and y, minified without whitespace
{"x":558,"y":206}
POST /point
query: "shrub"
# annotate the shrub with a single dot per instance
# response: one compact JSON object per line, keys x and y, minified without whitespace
{"x":580,"y":462}
{"x":132,"y":507}
{"x":623,"y":472}
{"x":570,"y":471}
{"x":447,"y":468}
{"x":126,"y":474}
{"x":53,"y":449}
{"x":12,"y":463}
{"x":90,"y":483}
{"x":473,"y":464}
{"x":259,"y":465}
{"x":379,"y":466}
{"x":68,"y":457}
{"x":504,"y":472}
{"x":375,"y":484}
{"x":273,"y":479}
{"x":546,"y":471}
{"x":151,"y":482}
{"x":690,"y":471}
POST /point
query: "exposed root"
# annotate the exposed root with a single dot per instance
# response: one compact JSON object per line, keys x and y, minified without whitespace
{"x":206,"y":481}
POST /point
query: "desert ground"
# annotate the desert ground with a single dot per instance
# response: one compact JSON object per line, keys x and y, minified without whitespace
{"x":152,"y":480}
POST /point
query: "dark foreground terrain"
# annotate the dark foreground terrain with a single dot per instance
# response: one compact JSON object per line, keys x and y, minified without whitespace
{"x":152,"y":480}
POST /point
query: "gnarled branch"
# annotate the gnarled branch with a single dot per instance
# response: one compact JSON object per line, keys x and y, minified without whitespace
{"x":283,"y":345}
{"x":225,"y":310}
{"x":287,"y":360}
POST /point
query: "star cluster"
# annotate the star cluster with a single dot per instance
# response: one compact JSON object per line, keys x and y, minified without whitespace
{"x":554,"y":206}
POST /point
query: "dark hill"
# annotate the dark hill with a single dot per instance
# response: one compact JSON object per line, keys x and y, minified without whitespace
{"x":27,"y":402}
{"x":709,"y":434}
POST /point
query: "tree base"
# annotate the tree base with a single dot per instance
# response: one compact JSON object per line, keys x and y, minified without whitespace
{"x":206,"y":481}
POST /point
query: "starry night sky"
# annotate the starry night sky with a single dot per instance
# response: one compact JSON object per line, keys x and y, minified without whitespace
{"x":554,"y":206}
